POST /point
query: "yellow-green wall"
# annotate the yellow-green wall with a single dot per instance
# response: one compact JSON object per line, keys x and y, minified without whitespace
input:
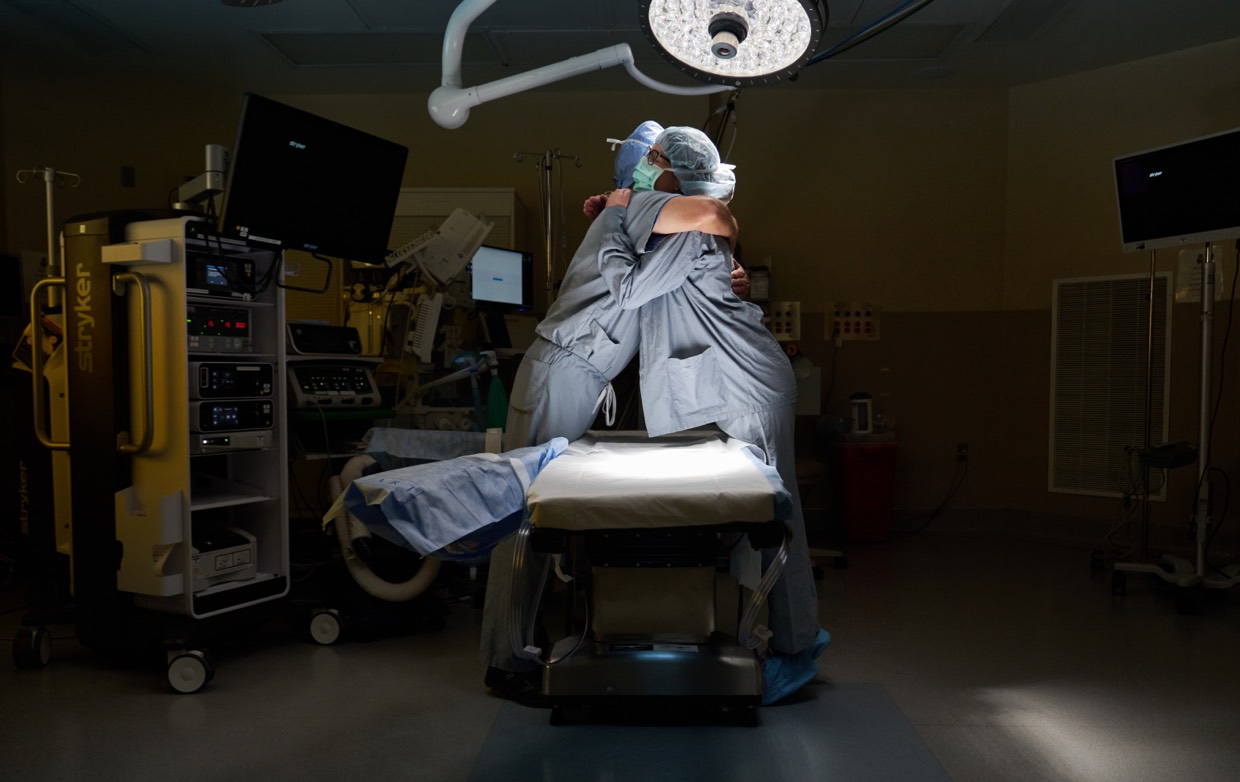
{"x":953,"y":209}
{"x":1062,"y":216}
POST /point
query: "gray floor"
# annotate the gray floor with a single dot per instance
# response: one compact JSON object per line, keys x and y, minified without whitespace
{"x":1011,"y":659}
{"x":833,"y":731}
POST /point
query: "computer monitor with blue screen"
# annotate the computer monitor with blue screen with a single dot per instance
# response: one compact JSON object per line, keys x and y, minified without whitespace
{"x":502,"y":277}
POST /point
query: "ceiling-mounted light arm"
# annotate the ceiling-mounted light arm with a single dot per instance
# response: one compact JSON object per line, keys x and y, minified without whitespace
{"x":454,"y":39}
{"x":450,"y":103}
{"x":890,"y":20}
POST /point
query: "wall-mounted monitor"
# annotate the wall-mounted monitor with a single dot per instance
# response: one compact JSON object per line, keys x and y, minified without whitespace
{"x":302,"y":182}
{"x":1182,"y":194}
{"x":503,"y":277}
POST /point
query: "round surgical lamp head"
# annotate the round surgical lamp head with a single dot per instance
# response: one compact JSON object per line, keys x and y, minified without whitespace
{"x":735,"y":42}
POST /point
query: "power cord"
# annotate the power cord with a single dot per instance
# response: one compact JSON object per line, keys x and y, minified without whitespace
{"x":962,"y":472}
{"x":1222,"y":514}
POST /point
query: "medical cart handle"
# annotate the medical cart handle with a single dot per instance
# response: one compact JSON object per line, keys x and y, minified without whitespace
{"x":36,"y":364}
{"x":125,"y":440}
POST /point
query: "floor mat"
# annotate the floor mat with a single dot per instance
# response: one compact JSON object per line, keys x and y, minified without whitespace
{"x":825,"y":732}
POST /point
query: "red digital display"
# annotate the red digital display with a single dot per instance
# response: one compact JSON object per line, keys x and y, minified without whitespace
{"x":217,"y":322}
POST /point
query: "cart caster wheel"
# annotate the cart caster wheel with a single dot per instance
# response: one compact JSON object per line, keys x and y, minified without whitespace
{"x":189,"y":671}
{"x":326,"y":626}
{"x":32,"y":648}
{"x":558,"y":717}
{"x":1119,"y":583}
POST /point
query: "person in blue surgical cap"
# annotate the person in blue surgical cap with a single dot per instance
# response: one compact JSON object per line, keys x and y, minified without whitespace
{"x":632,"y":150}
{"x":706,"y":357}
{"x":564,"y":380}
{"x":631,"y":161}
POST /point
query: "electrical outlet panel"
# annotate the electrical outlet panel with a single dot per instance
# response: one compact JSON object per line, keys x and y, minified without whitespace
{"x":784,"y":320}
{"x":851,"y":320}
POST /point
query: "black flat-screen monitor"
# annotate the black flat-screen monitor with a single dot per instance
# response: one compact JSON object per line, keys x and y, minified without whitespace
{"x":503,"y":277}
{"x":1182,"y":194}
{"x":302,"y":182}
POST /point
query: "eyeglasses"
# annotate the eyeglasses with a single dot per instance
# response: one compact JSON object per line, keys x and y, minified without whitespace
{"x":652,"y":157}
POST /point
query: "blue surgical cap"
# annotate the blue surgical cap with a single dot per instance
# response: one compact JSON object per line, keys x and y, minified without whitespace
{"x":688,"y":149}
{"x":633,"y":149}
{"x":695,"y":162}
{"x":719,"y":184}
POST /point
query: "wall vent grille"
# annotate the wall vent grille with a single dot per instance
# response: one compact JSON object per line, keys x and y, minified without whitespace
{"x":1099,"y":339}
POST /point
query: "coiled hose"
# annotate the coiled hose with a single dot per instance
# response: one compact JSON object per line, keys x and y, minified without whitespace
{"x":349,"y":529}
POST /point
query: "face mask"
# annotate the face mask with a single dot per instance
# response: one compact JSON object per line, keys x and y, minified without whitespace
{"x":644,"y":175}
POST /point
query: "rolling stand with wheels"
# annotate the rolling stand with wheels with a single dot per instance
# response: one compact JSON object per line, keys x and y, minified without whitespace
{"x":1190,"y":578}
{"x":371,"y":587}
{"x":174,"y":436}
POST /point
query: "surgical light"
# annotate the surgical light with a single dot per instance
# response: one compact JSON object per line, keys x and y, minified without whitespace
{"x":450,"y":103}
{"x":735,"y":42}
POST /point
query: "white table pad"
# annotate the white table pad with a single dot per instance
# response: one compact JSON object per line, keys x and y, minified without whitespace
{"x":623,"y":480}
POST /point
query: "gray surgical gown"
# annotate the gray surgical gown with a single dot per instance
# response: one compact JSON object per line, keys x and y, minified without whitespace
{"x":705,"y":354}
{"x":584,"y":341}
{"x":706,"y":357}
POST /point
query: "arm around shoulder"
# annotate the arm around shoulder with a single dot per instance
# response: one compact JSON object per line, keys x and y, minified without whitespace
{"x":697,"y":213}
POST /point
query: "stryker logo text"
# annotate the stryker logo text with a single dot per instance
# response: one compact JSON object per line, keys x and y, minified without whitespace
{"x":84,"y":347}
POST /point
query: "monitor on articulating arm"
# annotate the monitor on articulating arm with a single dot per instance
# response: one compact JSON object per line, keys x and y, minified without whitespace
{"x":502,"y":277}
{"x":302,"y":182}
{"x":1180,"y":195}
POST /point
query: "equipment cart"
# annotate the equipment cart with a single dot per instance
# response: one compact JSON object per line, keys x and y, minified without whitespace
{"x":164,"y":407}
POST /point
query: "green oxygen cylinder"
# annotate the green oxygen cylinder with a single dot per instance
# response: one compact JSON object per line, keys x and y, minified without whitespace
{"x":497,"y":403}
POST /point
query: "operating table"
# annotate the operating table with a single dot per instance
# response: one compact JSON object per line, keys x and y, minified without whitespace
{"x":641,"y":529}
{"x":648,"y":525}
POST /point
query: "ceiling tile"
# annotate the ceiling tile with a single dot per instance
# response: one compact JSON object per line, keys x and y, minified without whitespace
{"x":905,"y":41}
{"x":375,"y":48}
{"x":1023,"y":19}
{"x":434,"y":14}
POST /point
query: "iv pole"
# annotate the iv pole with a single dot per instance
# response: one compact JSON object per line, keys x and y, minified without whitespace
{"x":1229,"y":575}
{"x":546,"y":162}
{"x":51,"y":177}
{"x":1190,"y":576}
